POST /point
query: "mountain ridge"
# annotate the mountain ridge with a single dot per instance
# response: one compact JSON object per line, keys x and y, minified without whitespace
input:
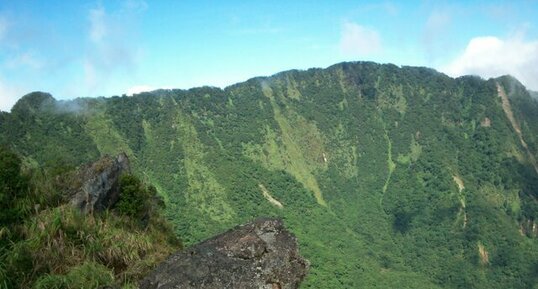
{"x":265,"y":77}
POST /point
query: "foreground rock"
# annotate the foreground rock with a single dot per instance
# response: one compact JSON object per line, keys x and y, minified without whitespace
{"x":261,"y":254}
{"x":95,"y":187}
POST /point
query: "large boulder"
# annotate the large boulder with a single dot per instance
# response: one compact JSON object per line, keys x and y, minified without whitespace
{"x":95,"y":186}
{"x":260,"y":254}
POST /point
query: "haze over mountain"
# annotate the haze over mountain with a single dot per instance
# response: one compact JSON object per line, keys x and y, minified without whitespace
{"x":390,"y":177}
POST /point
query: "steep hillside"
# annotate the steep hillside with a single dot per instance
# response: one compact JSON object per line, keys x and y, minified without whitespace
{"x":390,"y":177}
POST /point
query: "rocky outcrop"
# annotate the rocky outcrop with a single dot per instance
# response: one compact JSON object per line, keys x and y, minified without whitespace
{"x":260,"y":254}
{"x":95,"y":186}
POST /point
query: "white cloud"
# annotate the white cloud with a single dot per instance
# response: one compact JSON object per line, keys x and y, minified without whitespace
{"x":358,"y":40}
{"x":139,"y":88}
{"x":25,"y":59}
{"x":434,"y":34}
{"x":388,"y":8}
{"x":3,"y":27}
{"x":135,"y":5}
{"x":8,"y":95}
{"x":90,"y":75}
{"x":491,"y":57}
{"x":257,"y":30}
{"x":97,"y":24}
{"x":263,"y":25}
{"x":113,"y":51}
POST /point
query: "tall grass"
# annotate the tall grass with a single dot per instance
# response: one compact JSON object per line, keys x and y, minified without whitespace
{"x":56,"y":246}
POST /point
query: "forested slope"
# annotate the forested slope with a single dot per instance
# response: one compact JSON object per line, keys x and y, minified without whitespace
{"x":390,"y":177}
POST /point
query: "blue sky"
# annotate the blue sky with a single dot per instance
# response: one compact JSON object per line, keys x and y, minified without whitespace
{"x":104,"y":48}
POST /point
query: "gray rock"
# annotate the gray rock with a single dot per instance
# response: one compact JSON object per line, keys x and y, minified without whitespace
{"x":95,"y":186}
{"x":260,"y":254}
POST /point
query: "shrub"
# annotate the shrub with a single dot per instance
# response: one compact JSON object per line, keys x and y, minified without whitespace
{"x":134,"y":197}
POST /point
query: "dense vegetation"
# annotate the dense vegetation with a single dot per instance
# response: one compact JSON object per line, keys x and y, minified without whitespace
{"x":390,"y":177}
{"x":47,"y":244}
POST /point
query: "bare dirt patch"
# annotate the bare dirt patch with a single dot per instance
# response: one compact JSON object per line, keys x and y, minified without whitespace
{"x":461,"y":186}
{"x":483,"y":253}
{"x":510,"y":115}
{"x":270,"y":198}
{"x":486,"y":122}
{"x":459,"y":182}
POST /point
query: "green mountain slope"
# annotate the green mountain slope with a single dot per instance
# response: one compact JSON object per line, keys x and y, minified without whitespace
{"x":390,"y":177}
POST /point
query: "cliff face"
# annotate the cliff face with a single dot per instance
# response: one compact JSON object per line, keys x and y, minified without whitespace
{"x":96,"y":185}
{"x":260,"y":254}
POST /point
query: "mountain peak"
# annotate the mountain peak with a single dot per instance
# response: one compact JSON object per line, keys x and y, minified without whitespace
{"x":34,"y":101}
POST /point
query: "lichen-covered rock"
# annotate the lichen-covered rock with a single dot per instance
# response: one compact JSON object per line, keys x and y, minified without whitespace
{"x":260,"y":254}
{"x":95,"y":187}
